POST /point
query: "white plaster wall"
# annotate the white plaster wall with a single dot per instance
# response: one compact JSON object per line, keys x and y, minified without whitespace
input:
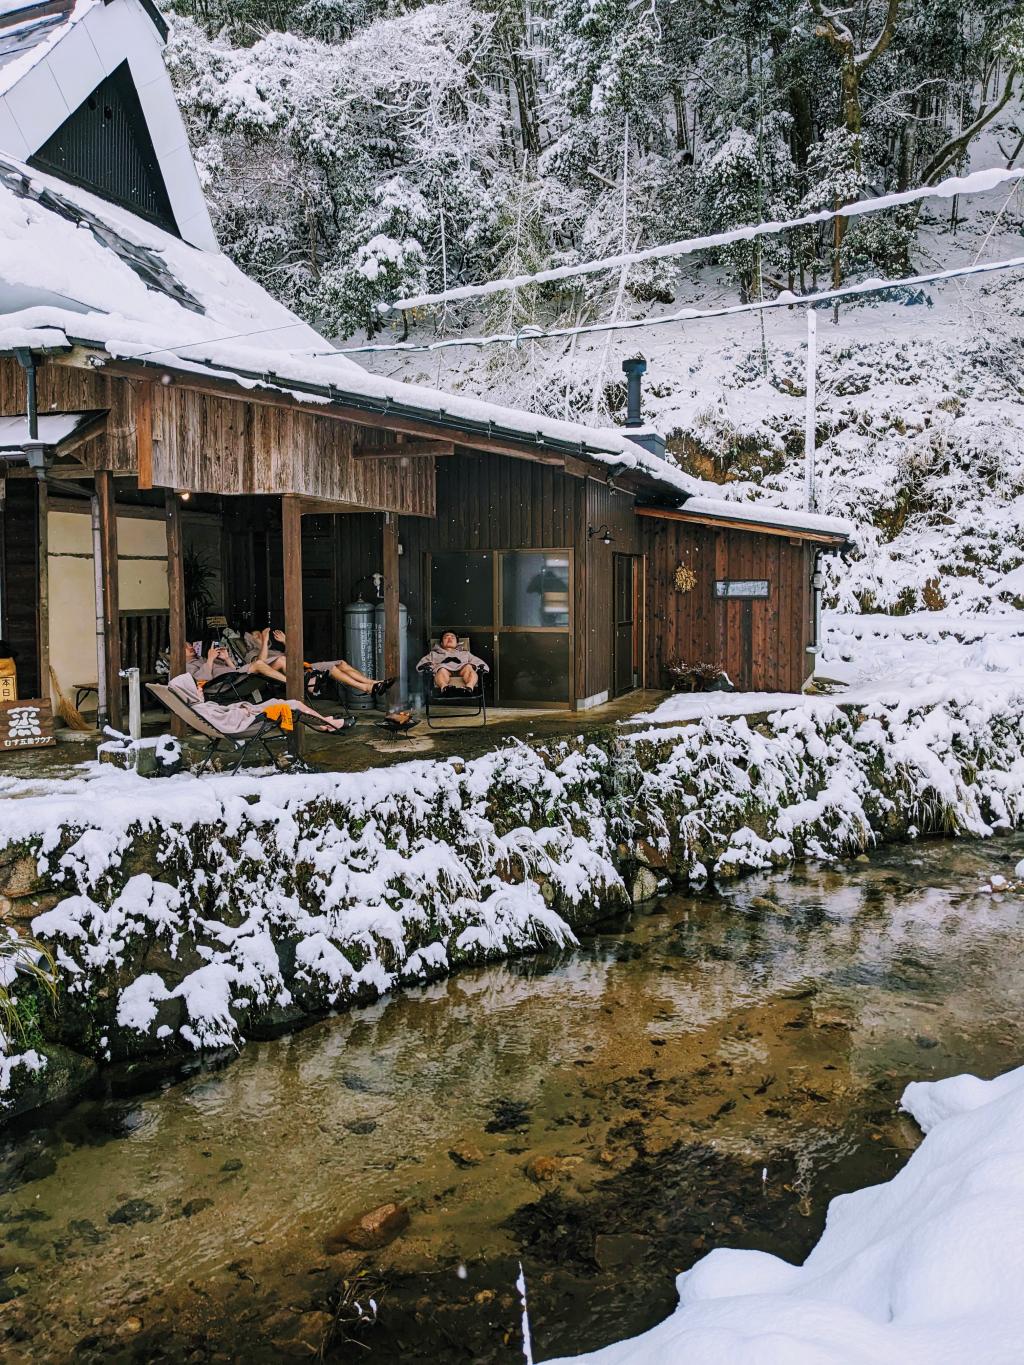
{"x":141,"y":579}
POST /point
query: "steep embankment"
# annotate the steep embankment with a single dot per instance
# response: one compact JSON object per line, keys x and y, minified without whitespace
{"x":189,"y":914}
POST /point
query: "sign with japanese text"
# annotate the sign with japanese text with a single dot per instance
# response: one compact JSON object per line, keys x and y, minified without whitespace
{"x":741,"y":587}
{"x":26,"y":724}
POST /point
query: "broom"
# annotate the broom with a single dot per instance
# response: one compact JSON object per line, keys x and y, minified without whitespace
{"x":68,"y":712}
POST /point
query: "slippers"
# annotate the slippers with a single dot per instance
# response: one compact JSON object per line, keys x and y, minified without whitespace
{"x":385,"y":685}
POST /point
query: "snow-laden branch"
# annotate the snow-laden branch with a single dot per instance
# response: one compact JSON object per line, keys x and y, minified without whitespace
{"x":979,"y":182}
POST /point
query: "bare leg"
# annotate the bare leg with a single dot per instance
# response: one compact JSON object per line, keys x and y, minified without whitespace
{"x":468,"y":674}
{"x":265,"y":669}
{"x":442,"y":678}
{"x":330,"y":722}
{"x":351,"y":677}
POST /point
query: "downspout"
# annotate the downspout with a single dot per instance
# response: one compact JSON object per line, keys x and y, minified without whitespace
{"x":27,"y":361}
{"x":102,"y":712}
{"x":817,"y":583}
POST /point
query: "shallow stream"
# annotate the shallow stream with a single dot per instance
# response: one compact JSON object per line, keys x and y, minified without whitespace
{"x":709,"y":1072}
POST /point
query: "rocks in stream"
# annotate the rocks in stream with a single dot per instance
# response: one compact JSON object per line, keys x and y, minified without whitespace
{"x":509,"y":1116}
{"x":464,"y":1154}
{"x":373,"y":1230}
{"x":134,"y":1211}
{"x":544,"y":1170}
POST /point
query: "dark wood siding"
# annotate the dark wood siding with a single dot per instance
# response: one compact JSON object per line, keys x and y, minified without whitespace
{"x":614,"y":510}
{"x":212,"y":444}
{"x":761,"y":644}
{"x":63,"y":388}
{"x":19,"y":591}
{"x":485,"y":502}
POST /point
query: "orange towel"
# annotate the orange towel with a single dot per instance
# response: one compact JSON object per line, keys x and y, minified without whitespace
{"x":282,"y":713}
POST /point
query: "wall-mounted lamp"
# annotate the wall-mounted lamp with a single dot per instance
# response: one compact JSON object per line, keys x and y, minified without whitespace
{"x":603,"y":532}
{"x":184,"y":494}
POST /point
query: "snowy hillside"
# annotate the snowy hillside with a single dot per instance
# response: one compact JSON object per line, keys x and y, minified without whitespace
{"x":920,"y":412}
{"x":355,"y":152}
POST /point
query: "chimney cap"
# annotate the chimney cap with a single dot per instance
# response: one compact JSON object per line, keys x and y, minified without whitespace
{"x":637,"y":365}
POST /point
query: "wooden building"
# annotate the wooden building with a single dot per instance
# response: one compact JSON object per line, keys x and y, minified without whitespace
{"x":170,"y":403}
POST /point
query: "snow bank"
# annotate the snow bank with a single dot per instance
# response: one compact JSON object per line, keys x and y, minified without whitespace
{"x":923,"y":1270}
{"x":198,"y":908}
{"x":814,"y":779}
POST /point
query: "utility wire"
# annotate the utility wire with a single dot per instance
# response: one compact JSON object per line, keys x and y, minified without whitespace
{"x":783,"y":300}
{"x":977,"y":182}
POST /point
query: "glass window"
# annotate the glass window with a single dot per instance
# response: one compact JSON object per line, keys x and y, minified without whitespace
{"x":535,"y":586}
{"x":461,"y":591}
{"x":533,"y":666}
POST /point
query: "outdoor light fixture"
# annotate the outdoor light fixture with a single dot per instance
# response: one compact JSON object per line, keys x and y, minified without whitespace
{"x":602,"y":531}
{"x":184,"y":494}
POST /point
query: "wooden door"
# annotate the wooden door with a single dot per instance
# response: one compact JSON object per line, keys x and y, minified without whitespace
{"x":625,"y":624}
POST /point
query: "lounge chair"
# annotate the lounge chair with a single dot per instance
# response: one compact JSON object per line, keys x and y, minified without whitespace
{"x":259,"y":735}
{"x":456,"y":702}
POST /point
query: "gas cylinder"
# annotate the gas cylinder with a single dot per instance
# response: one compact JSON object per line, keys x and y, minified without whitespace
{"x":399,"y":694}
{"x":359,"y":649}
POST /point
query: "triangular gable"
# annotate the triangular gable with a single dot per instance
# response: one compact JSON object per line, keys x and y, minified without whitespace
{"x":105,"y":147}
{"x":110,"y":53}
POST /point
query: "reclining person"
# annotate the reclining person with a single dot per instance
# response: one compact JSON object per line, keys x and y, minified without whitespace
{"x":218,"y":664}
{"x":231,"y":718}
{"x":338,"y":669}
{"x":447,"y":662}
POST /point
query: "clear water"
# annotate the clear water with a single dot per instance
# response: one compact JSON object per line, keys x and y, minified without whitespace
{"x":709,"y":1072}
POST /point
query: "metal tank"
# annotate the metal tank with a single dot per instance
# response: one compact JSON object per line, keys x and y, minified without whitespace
{"x":359,"y":650}
{"x":399,"y":694}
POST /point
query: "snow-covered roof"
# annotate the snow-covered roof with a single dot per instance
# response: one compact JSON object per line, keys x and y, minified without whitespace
{"x":133,"y":292}
{"x":54,"y":428}
{"x":757,"y":514}
{"x":50,"y":64}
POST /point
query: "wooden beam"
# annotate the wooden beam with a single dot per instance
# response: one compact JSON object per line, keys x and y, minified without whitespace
{"x":756,"y":528}
{"x":175,"y":593}
{"x":42,"y":514}
{"x":402,"y":450}
{"x":392,"y":644}
{"x":291,"y":535}
{"x":144,"y":432}
{"x":107,"y":569}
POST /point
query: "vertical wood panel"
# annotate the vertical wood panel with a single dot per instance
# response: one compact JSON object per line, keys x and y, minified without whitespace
{"x":291,"y":533}
{"x":108,"y":577}
{"x":175,"y":591}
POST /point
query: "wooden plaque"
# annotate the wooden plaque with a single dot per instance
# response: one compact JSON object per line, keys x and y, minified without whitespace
{"x":26,"y":724}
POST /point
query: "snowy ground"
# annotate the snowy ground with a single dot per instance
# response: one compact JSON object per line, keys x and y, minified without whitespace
{"x":923,"y":1270}
{"x":924,"y":657}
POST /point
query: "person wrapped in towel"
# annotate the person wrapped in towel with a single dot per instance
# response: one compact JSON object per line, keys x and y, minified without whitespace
{"x":451,"y":665}
{"x":269,"y":646}
{"x":232,"y":718}
{"x":217,"y":663}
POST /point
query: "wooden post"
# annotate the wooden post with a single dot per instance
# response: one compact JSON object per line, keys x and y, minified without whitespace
{"x":175,"y":594}
{"x":291,"y":535}
{"x":392,"y":643}
{"x":107,"y":569}
{"x":43,"y":530}
{"x":144,"y":432}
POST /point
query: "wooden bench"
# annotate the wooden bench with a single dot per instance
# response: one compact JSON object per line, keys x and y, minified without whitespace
{"x":144,"y":635}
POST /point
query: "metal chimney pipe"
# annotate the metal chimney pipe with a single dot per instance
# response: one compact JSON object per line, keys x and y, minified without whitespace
{"x":633,"y":370}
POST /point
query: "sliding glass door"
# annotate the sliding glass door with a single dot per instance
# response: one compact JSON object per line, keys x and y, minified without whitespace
{"x":516,"y":607}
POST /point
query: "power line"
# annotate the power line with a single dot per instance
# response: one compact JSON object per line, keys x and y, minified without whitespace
{"x":783,"y":300}
{"x":977,"y":183}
